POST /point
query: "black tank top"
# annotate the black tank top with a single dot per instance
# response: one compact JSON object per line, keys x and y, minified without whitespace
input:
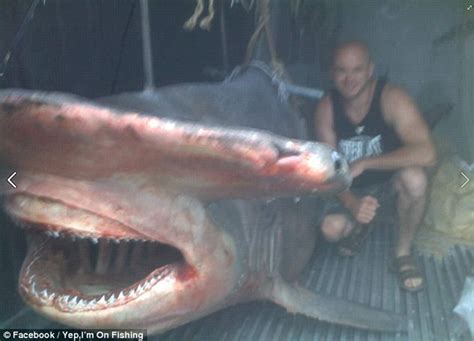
{"x":372,"y":136}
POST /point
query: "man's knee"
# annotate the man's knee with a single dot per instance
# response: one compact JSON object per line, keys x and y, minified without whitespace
{"x":412,"y":181}
{"x":334,"y":227}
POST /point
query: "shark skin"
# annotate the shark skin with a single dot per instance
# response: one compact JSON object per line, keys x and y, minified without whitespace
{"x":139,"y":221}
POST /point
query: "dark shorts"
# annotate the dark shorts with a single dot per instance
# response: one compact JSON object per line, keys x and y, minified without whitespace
{"x":383,"y":192}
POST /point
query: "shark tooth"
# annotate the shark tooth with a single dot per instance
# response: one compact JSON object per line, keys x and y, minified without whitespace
{"x":102,"y":300}
{"x":92,"y":303}
{"x":81,"y":303}
{"x":33,"y":289}
{"x":73,"y":302}
{"x":148,"y":284}
{"x":30,"y":279}
{"x":111,"y":299}
{"x":44,"y":293}
{"x":140,"y":289}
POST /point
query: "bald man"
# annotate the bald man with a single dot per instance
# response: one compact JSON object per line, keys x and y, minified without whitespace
{"x":380,"y":130}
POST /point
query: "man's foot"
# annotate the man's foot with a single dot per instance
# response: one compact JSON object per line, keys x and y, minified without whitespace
{"x":350,"y":245}
{"x":409,"y":276}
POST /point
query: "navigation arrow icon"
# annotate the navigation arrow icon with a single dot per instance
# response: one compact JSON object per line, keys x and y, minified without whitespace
{"x":467,"y":180}
{"x":10,"y":180}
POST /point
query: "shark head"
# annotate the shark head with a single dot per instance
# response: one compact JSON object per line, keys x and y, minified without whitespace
{"x":114,"y":207}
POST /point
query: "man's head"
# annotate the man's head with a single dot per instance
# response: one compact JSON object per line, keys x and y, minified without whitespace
{"x":352,"y":68}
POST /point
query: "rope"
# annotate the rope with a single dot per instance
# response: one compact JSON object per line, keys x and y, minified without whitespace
{"x":274,"y":75}
{"x":190,"y":24}
{"x":276,"y":72}
{"x":253,"y":42}
{"x":285,"y":89}
{"x":264,"y":23}
{"x":205,"y":22}
{"x":19,"y":34}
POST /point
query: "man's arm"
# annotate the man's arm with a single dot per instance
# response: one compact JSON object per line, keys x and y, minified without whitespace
{"x":363,"y":209}
{"x":401,"y":112}
{"x":324,"y":122}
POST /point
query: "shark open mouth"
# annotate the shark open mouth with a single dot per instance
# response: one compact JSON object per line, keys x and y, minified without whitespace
{"x":114,"y":207}
{"x":73,"y":273}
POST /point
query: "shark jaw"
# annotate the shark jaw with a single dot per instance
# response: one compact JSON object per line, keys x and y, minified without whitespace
{"x":78,"y":274}
{"x":114,"y":277}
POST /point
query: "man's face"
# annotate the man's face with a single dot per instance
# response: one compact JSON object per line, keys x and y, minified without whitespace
{"x":352,"y":71}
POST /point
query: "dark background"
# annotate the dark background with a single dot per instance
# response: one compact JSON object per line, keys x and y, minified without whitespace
{"x":93,"y":48}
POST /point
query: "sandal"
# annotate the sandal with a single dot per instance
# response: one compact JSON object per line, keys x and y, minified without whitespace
{"x":350,"y":245}
{"x":405,"y":268}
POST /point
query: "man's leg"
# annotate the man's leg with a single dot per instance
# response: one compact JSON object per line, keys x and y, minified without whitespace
{"x":411,"y":186}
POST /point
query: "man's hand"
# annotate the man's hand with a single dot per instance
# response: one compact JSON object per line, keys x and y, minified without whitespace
{"x":357,"y":168}
{"x":363,"y":209}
